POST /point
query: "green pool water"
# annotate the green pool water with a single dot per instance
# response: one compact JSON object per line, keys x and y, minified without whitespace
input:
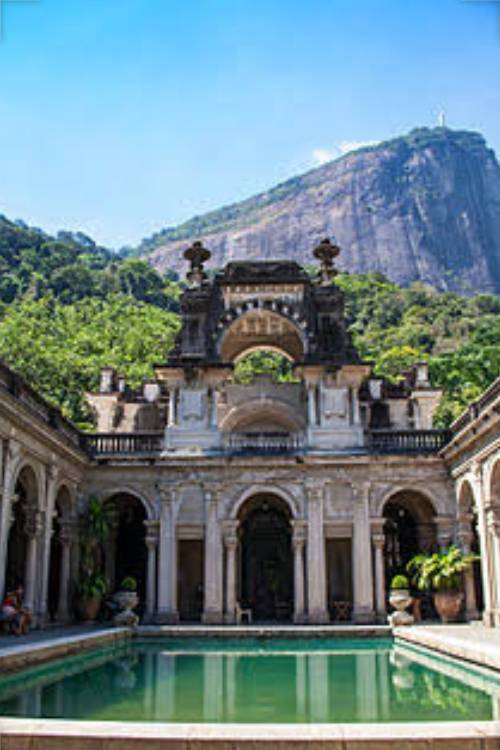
{"x":254,"y":681}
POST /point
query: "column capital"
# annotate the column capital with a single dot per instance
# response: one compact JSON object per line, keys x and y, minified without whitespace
{"x":445,"y":527}
{"x":493,"y":519}
{"x":229,"y":530}
{"x":361,"y":490}
{"x":152,"y":529}
{"x":52,"y":472}
{"x":33,"y":523}
{"x":69,"y":531}
{"x":315,"y":491}
{"x":211,"y":493}
{"x":377,"y":532}
{"x":299,"y":535}
{"x":166,"y":494}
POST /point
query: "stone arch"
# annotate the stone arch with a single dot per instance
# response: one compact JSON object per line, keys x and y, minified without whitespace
{"x":27,"y":467}
{"x":257,"y":411}
{"x":493,"y":481}
{"x":466,"y":497}
{"x":263,"y":489}
{"x":149,"y":505}
{"x":435,"y":502}
{"x":59,"y":557}
{"x":266,"y":583}
{"x":469,"y":539}
{"x":125,"y":551}
{"x":255,"y":326}
{"x":409,"y":528}
{"x":24,"y":529}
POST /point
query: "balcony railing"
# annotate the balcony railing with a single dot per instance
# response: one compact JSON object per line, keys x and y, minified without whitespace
{"x":122,"y":443}
{"x":407,"y":441}
{"x":103,"y":445}
{"x":263,"y":443}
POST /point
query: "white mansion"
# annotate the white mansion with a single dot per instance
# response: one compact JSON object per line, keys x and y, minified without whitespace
{"x":295,"y":500}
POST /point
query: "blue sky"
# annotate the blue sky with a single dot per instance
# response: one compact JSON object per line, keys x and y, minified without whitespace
{"x":119,"y":117}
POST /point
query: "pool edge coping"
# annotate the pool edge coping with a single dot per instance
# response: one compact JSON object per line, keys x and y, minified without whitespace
{"x":477,"y":734}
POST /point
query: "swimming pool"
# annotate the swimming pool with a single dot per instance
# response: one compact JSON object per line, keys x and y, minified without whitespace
{"x":268,"y":681}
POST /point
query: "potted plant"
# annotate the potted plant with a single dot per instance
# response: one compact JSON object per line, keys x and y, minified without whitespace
{"x":441,"y":572}
{"x":91,"y":590}
{"x":95,"y":524}
{"x":127,"y":600}
{"x":400,"y":599}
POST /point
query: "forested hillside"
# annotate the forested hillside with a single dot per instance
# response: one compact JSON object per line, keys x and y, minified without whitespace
{"x":68,"y":307}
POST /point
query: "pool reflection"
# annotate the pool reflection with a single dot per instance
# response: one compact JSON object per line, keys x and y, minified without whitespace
{"x":342,"y":685}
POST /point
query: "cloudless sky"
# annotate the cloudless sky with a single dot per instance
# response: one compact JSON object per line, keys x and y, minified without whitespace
{"x":120,"y":117}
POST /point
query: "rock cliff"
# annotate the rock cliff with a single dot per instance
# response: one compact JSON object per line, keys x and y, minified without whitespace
{"x":425,"y":206}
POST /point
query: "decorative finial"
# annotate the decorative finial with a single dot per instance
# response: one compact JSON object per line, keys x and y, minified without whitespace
{"x":325,"y":252}
{"x":197,"y":255}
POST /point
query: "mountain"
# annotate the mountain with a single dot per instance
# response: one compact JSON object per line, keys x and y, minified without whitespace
{"x":425,"y":206}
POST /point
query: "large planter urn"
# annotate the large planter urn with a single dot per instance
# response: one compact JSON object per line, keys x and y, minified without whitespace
{"x":127,"y":601}
{"x":400,"y":600}
{"x":448,"y":605}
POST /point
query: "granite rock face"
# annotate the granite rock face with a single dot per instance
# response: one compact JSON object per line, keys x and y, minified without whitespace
{"x":425,"y":206}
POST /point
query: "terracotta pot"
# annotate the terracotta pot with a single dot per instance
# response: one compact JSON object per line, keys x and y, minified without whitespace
{"x":448,"y":604}
{"x":88,"y":609}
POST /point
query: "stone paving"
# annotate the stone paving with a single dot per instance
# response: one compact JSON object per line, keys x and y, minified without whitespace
{"x":472,"y":642}
{"x":47,"y":634}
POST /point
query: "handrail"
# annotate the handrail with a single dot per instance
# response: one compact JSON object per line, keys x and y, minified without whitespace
{"x":263,"y":442}
{"x":407,"y":441}
{"x":122,"y":443}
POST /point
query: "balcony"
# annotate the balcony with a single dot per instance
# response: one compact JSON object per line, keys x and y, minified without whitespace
{"x":104,"y":444}
{"x":276,"y":443}
{"x":406,"y":441}
{"x":150,"y":444}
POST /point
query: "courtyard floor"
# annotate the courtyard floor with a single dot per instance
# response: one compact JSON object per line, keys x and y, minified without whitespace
{"x":471,"y":641}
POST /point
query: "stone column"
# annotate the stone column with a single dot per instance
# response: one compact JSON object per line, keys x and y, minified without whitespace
{"x":33,"y":529}
{"x":311,"y":406}
{"x":110,"y":552}
{"x":378,"y":541}
{"x":445,"y":527}
{"x":493,"y":520}
{"x":362,"y":557}
{"x":213,"y":604}
{"x":172,"y":396}
{"x":48,"y":532}
{"x":465,"y":537}
{"x":167,"y":568}
{"x":214,"y":408}
{"x":11,"y":461}
{"x":316,"y":562}
{"x":356,"y":414}
{"x":151,"y":542}
{"x":67,"y":537}
{"x":485,"y":546}
{"x":298,"y":543}
{"x":231,"y":545}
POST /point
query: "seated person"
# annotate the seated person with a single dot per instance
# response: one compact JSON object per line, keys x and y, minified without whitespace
{"x":18,"y":617}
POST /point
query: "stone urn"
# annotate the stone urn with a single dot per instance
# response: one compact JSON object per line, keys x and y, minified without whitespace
{"x":126,"y":601}
{"x":448,"y":605}
{"x":400,"y":600}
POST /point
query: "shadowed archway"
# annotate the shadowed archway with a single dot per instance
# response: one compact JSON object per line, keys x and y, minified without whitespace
{"x":266,"y":559}
{"x":409,"y":528}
